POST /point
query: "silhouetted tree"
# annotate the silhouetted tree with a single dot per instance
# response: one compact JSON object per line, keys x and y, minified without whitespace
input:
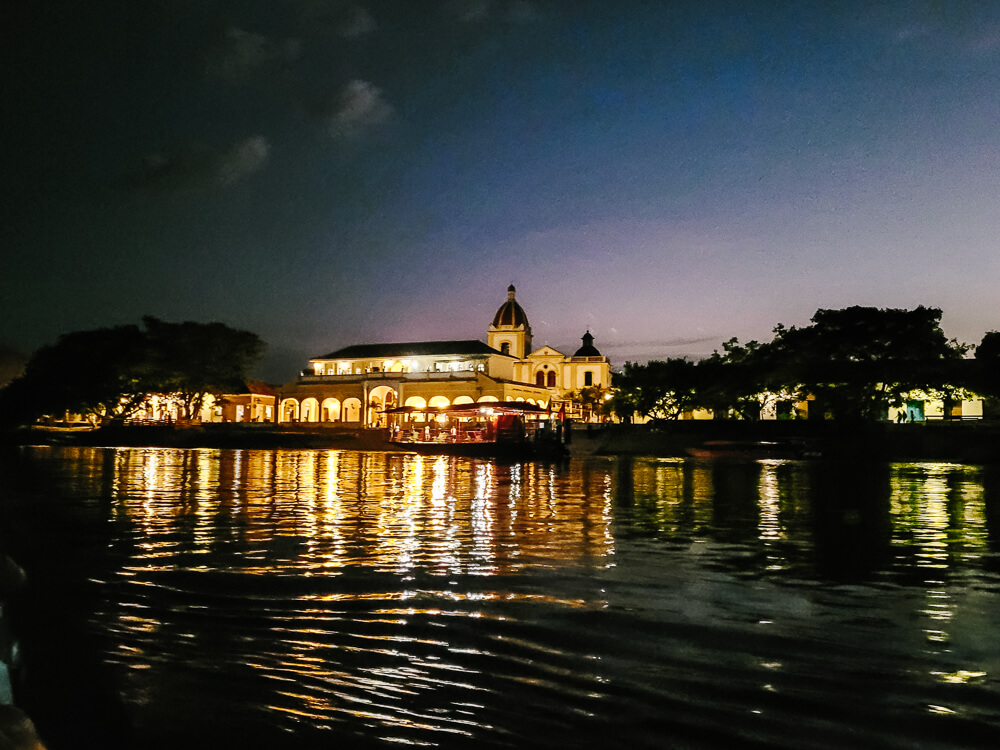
{"x":657,"y":389}
{"x":858,"y":361}
{"x":593,"y":398}
{"x":988,"y":361}
{"x":191,"y":360}
{"x":101,"y":374}
{"x":743,"y":381}
{"x":108,"y":373}
{"x":986,"y":375}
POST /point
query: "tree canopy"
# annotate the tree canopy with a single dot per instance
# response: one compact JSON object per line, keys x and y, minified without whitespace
{"x":191,"y":360}
{"x":853,"y":363}
{"x":106,"y":374}
{"x":987,"y":380}
{"x":657,"y":389}
{"x":858,"y":361}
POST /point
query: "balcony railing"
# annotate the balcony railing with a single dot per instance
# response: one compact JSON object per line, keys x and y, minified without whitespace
{"x":414,"y":376}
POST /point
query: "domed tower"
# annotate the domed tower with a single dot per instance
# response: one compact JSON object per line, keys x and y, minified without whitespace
{"x":510,"y":331}
{"x":588,"y":349}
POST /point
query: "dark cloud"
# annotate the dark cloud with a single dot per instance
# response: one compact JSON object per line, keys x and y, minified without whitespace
{"x":469,"y":11}
{"x":661,"y":343}
{"x":359,"y":107}
{"x":343,"y":18}
{"x":197,"y":165}
{"x":481,"y":11}
{"x":238,"y":53}
{"x":355,"y":22}
{"x":243,"y":159}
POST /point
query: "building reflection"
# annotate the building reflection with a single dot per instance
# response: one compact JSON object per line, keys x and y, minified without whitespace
{"x":346,"y":580}
{"x":838,"y":521}
{"x":319,"y":511}
{"x":322,"y":510}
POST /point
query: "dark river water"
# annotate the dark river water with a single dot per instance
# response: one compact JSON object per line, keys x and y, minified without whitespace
{"x":300,"y":599}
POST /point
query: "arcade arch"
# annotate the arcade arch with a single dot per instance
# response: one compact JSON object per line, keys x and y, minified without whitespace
{"x":352,"y":410}
{"x":379,"y":399}
{"x":290,"y":410}
{"x":309,"y":411}
{"x":330,"y":410}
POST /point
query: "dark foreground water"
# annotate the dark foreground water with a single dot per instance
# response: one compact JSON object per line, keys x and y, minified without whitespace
{"x":299,"y":599}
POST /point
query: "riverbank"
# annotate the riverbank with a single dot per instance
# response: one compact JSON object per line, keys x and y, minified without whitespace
{"x":959,"y":442}
{"x":956,"y":442}
{"x":225,"y":435}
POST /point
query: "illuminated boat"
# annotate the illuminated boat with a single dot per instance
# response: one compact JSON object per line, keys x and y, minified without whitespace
{"x":494,"y":429}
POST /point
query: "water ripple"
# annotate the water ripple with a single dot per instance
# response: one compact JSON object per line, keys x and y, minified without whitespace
{"x":305,"y":598}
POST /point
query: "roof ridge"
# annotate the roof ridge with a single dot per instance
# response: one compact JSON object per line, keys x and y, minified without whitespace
{"x":415,"y":348}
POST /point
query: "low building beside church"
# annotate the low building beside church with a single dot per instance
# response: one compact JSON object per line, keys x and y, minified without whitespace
{"x":355,"y":384}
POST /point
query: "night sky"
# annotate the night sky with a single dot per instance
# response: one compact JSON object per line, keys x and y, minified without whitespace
{"x":666,"y":174}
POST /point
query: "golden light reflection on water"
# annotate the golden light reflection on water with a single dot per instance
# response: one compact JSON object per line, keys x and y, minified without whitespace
{"x":376,"y":576}
{"x":939,"y":512}
{"x":393,"y":512}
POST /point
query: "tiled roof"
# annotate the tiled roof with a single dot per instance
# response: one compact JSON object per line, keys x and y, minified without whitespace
{"x":411,"y":349}
{"x":510,"y":313}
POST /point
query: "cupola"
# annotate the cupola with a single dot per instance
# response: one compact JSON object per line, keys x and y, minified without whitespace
{"x":588,"y":349}
{"x":510,"y":331}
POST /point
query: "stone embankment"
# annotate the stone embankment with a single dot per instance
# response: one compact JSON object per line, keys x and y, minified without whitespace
{"x":960,"y":442}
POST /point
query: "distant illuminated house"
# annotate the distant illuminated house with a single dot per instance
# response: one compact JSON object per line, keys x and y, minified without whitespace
{"x":355,"y":384}
{"x":254,"y":402}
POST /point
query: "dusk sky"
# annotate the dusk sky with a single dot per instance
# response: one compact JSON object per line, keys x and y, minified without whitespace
{"x":666,"y":174}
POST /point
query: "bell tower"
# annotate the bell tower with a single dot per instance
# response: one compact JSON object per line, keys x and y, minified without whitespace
{"x":510,"y":331}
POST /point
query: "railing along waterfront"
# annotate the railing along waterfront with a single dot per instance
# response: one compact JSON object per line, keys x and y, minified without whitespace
{"x":358,"y":377}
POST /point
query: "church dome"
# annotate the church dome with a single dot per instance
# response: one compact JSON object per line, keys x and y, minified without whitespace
{"x":588,"y":349}
{"x":510,"y":314}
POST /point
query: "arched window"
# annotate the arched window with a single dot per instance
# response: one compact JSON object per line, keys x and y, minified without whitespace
{"x":505,"y":347}
{"x":552,"y":379}
{"x":540,"y":378}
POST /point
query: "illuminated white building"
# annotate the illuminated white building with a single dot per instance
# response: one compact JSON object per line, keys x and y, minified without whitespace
{"x":355,"y":384}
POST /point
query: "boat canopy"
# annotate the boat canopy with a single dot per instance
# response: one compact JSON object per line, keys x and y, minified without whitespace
{"x":468,"y":410}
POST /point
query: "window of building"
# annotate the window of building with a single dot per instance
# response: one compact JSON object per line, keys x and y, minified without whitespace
{"x":540,"y":378}
{"x":552,"y":380}
{"x":588,"y":378}
{"x":505,"y":347}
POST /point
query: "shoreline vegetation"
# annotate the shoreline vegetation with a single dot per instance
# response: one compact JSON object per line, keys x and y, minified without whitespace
{"x":960,"y":442}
